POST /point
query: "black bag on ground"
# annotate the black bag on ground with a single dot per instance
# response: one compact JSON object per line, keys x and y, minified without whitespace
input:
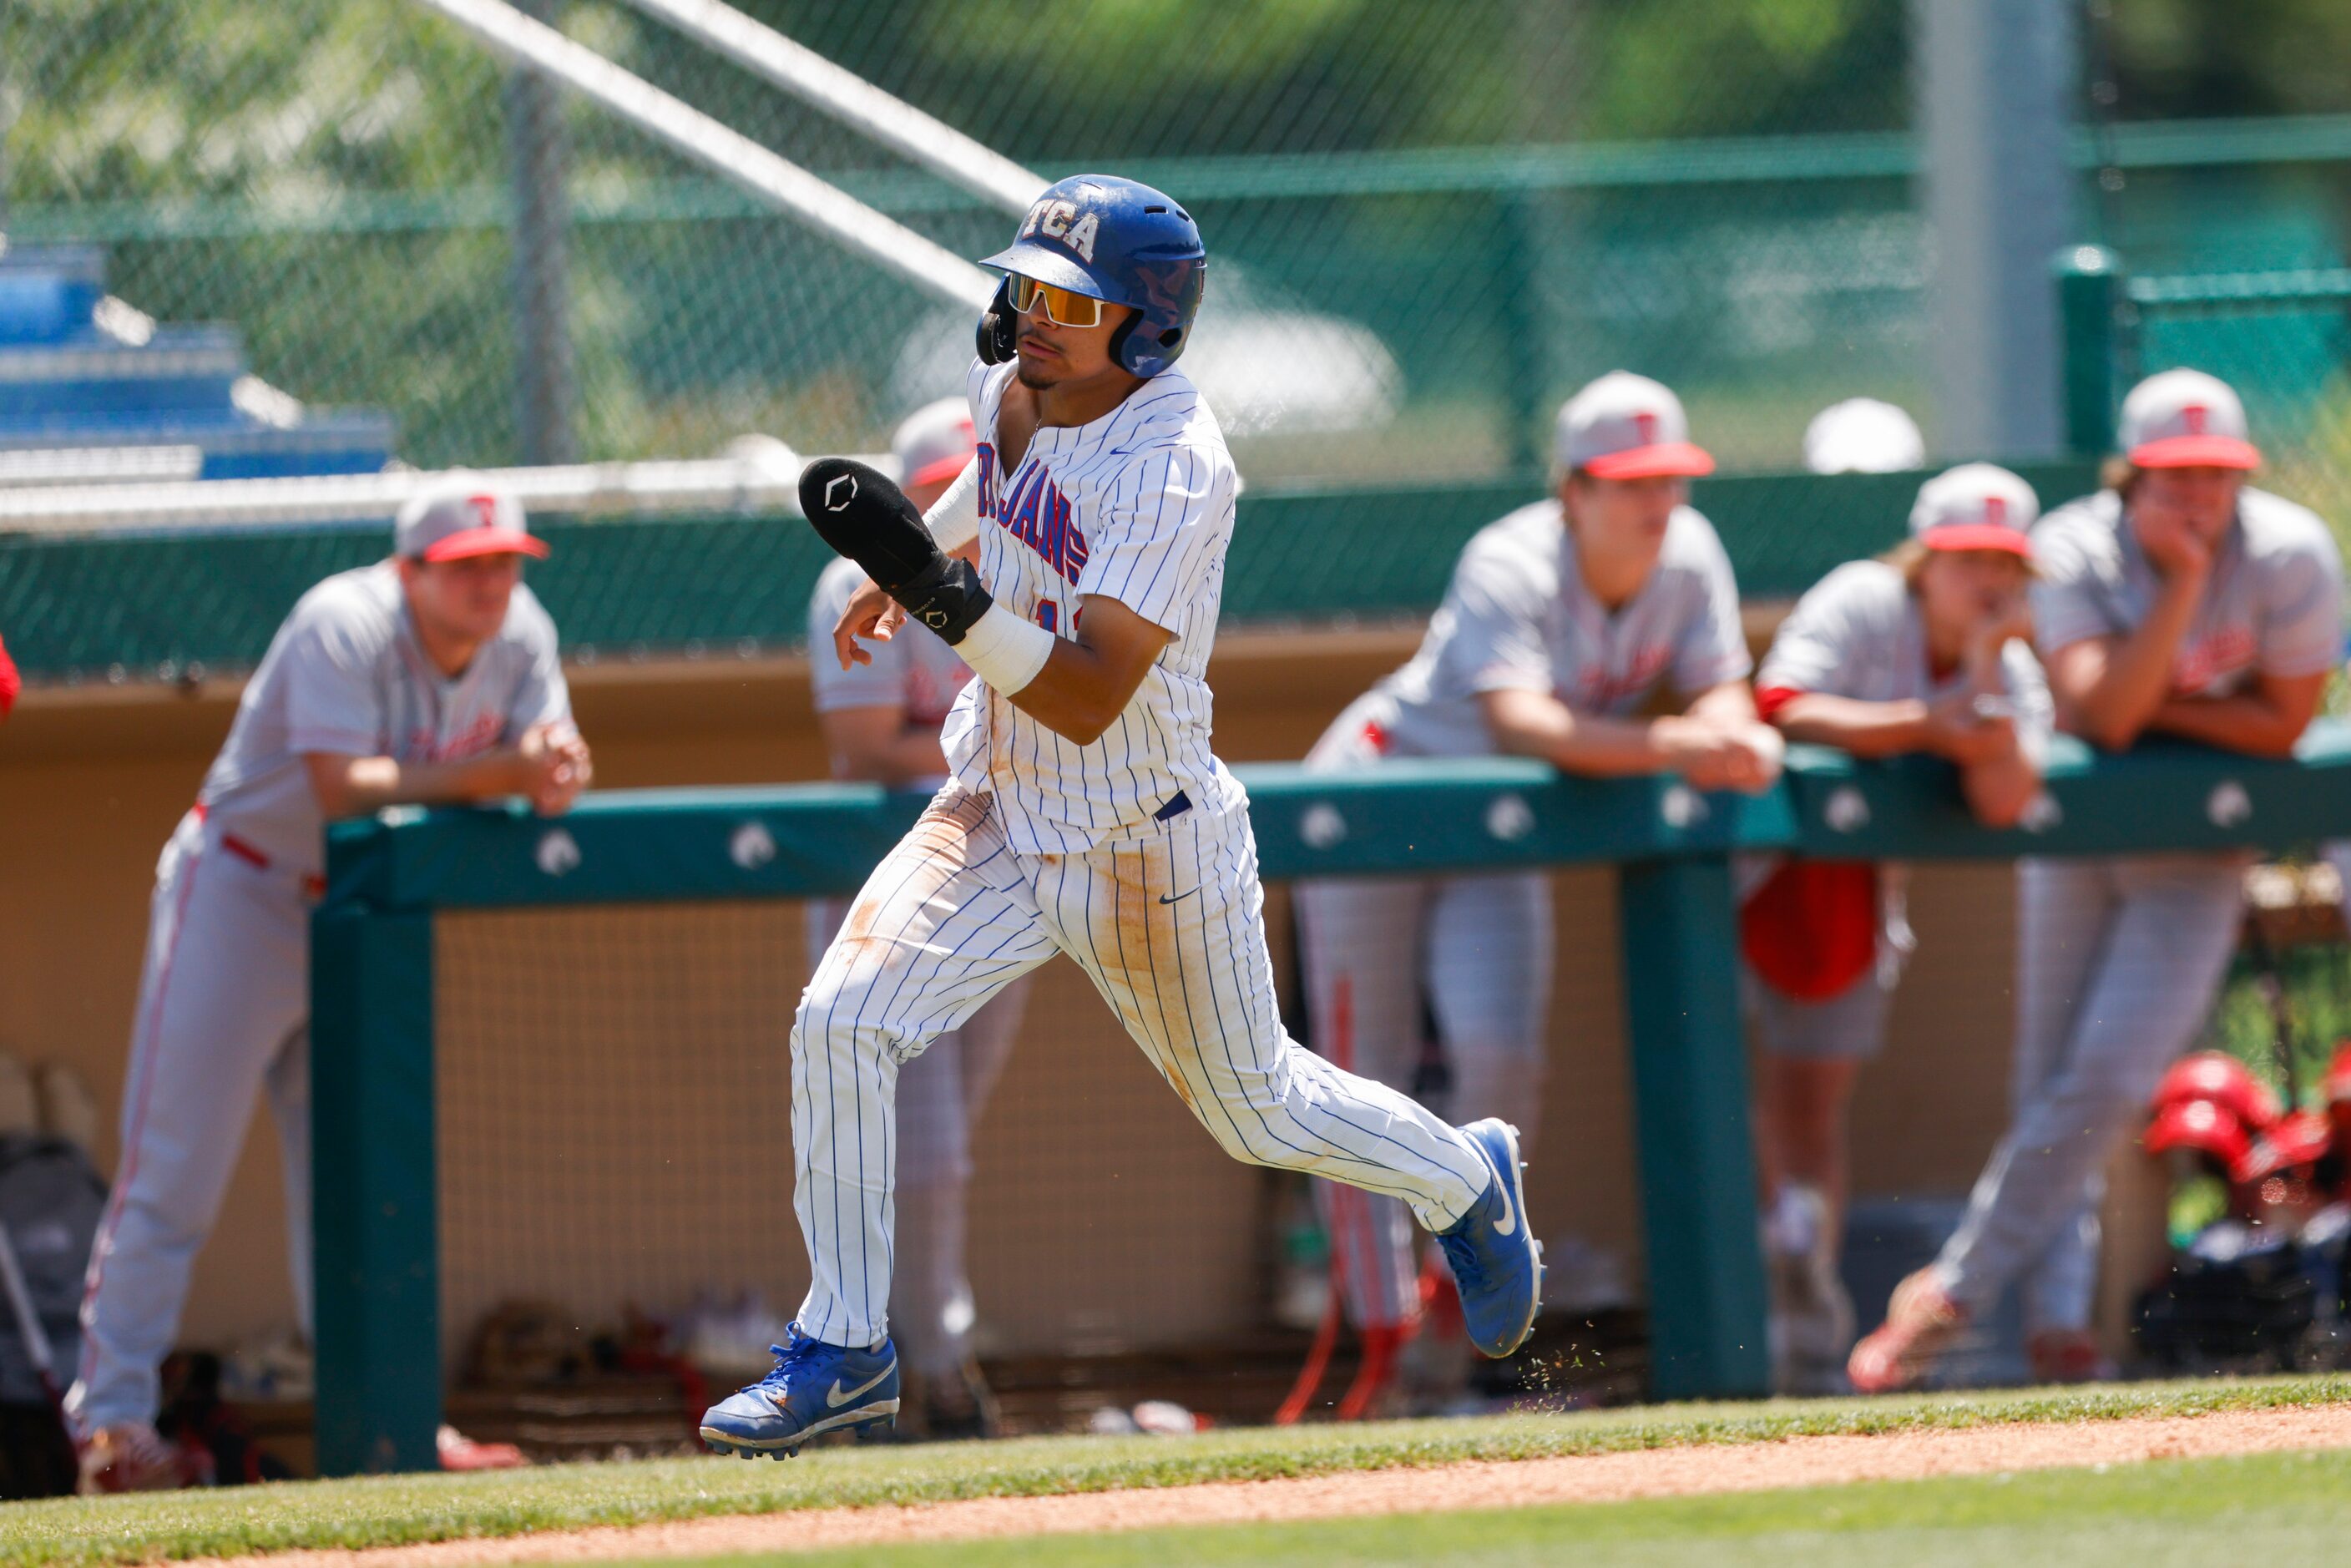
{"x":2236,"y":1301}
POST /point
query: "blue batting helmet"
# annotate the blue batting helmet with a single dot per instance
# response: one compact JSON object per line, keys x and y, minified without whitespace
{"x":1116,"y":240}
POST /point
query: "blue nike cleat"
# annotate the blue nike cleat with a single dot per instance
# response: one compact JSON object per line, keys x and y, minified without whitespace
{"x":1497,"y":1262}
{"x":815,"y":1388}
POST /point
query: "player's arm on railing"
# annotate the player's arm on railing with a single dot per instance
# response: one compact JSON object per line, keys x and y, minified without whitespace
{"x":2264,"y":722}
{"x":1710,"y":743}
{"x":549,"y":766}
{"x":2107,"y":689}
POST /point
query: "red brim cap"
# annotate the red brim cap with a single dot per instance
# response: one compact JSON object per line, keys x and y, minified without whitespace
{"x":940,"y":468}
{"x":1665,"y":457}
{"x":2196,"y":452}
{"x":1977,"y":536}
{"x":486,"y":541}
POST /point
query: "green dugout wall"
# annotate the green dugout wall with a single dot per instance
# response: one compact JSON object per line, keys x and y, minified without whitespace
{"x":373,"y":1050}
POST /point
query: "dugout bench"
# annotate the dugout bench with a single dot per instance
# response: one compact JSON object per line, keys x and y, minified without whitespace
{"x":372,"y":1048}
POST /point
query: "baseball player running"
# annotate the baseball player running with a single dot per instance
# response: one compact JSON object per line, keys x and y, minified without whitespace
{"x":1562,"y":622}
{"x":1076,"y":568}
{"x":880,"y":721}
{"x":2179,"y":601}
{"x":1923,"y":651}
{"x":428,"y":677}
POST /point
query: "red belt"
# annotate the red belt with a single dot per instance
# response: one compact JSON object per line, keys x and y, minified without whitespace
{"x":253,"y":855}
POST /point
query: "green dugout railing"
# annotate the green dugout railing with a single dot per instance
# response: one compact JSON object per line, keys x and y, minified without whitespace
{"x":378,"y":1332}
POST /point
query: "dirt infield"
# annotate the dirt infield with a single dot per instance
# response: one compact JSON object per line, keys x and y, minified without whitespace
{"x":1603,"y":1478}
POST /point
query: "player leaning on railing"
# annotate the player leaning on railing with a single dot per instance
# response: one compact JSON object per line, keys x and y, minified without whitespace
{"x":1562,"y":623}
{"x":1076,"y":568}
{"x":428,"y":677}
{"x":2176,"y":601}
{"x":1924,"y":651}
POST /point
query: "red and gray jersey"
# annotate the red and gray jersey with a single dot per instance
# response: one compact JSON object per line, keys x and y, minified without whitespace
{"x":345,"y":675}
{"x":1858,"y":632}
{"x":1137,"y":506}
{"x":1517,"y":617}
{"x":2272,"y":605}
{"x":913,"y":670}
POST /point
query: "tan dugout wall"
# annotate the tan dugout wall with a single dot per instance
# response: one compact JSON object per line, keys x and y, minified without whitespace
{"x":92,"y":782}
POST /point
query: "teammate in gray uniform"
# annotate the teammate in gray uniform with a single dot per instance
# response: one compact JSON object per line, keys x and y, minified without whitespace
{"x":1561,"y":623}
{"x":881,"y":722}
{"x":1923,"y":651}
{"x":2176,"y":601}
{"x":428,"y":677}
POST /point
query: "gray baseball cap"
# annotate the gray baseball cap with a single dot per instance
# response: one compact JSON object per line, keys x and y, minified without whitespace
{"x":460,"y":514}
{"x":1976,"y":505}
{"x":2186,"y":419}
{"x":935,"y":443}
{"x":1624,"y":426}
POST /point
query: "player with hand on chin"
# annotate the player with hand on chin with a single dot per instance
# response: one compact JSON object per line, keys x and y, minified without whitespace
{"x":431,"y":677}
{"x":2179,"y":601}
{"x":1924,"y":651}
{"x":1076,"y":568}
{"x":1562,"y":623}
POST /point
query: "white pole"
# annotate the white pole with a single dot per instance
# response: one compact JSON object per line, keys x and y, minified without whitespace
{"x":849,"y":97}
{"x":765,"y":478}
{"x":774,"y":179}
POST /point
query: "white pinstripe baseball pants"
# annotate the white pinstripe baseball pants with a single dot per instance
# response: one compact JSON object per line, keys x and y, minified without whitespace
{"x":1171,"y":931}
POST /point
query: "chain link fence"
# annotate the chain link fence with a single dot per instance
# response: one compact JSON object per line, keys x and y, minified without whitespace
{"x":1429,"y":221}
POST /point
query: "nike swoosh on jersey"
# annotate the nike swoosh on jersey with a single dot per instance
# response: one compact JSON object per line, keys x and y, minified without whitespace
{"x":834,"y":1398}
{"x":1171,"y":898}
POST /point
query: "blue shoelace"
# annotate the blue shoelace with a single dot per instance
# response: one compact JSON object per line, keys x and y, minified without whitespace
{"x":796,"y":1349}
{"x":1469,"y":1272}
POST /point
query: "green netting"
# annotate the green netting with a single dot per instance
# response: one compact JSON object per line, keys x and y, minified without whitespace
{"x":148,"y":608}
{"x":1444,"y":214}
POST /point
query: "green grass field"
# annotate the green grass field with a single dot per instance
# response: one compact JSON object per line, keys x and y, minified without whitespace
{"x":2282,"y":1508}
{"x":390,"y":1509}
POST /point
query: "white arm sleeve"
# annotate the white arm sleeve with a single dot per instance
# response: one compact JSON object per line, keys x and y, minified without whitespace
{"x":953,"y":518}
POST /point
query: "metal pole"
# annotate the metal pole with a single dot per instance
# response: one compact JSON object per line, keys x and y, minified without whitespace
{"x":1995,"y":80}
{"x":775,"y":180}
{"x":537,"y":151}
{"x":853,"y":100}
{"x":2089,"y":290}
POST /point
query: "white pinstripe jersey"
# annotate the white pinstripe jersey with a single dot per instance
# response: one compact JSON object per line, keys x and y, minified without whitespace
{"x":1135,"y":506}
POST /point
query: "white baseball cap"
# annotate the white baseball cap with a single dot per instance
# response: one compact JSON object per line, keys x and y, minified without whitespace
{"x":1624,"y":426}
{"x":1863,"y":435}
{"x":1976,"y":505}
{"x":458,"y":516}
{"x":2186,"y":419}
{"x":935,"y":443}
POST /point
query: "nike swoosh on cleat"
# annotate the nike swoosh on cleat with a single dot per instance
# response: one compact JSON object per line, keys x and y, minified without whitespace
{"x":1509,"y":1223}
{"x":834,"y":1398}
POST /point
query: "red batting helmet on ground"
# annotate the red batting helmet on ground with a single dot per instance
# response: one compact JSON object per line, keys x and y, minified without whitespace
{"x":2205,"y":1127}
{"x":2216,"y":1076}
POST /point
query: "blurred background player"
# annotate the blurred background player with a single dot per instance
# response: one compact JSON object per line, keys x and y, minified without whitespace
{"x":428,"y":677}
{"x":881,"y":722}
{"x":1863,"y":435}
{"x":1924,"y":651}
{"x":2178,"y":601}
{"x":11,"y":683}
{"x":1561,"y":623}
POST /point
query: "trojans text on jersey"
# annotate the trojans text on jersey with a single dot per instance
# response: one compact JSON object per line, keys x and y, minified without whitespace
{"x":1035,"y":512}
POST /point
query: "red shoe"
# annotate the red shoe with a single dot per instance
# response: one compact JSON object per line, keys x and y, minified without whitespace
{"x":2067,"y":1355}
{"x":132,"y":1455}
{"x":459,"y":1452}
{"x":1921,"y":1321}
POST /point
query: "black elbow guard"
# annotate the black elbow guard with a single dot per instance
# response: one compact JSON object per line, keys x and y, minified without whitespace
{"x":862,"y":516}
